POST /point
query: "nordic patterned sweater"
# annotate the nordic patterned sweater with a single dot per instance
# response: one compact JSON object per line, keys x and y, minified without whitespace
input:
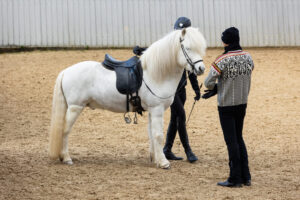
{"x":233,"y":72}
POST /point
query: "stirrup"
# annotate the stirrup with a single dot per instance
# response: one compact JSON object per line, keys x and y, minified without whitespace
{"x":127,"y":118}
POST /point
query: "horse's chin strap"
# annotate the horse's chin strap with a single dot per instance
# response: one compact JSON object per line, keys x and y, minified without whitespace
{"x":188,"y":59}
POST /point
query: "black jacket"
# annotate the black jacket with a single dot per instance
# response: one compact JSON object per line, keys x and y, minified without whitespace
{"x":183,"y":82}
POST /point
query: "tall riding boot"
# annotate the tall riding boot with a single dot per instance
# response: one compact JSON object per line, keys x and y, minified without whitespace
{"x":185,"y":143}
{"x":171,"y":134}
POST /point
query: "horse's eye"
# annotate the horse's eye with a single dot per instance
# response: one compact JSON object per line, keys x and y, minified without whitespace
{"x":188,"y":49}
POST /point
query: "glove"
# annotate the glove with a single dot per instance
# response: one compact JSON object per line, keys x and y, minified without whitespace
{"x":198,"y":95}
{"x":210,"y":93}
{"x":138,"y":50}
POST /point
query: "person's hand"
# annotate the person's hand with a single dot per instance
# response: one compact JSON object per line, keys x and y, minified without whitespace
{"x":198,"y":95}
{"x":210,"y":93}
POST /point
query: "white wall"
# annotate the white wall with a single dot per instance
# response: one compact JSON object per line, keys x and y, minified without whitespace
{"x":126,"y":23}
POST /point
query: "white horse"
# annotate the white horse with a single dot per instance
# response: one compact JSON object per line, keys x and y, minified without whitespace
{"x":89,"y":84}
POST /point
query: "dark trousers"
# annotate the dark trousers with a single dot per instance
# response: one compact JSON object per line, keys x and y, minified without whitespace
{"x":177,"y":122}
{"x":232,"y":120}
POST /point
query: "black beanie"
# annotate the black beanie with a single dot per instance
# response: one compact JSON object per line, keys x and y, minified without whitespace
{"x":231,"y":36}
{"x":182,"y":22}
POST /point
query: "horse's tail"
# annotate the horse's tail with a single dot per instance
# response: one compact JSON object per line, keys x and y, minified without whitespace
{"x":59,"y":109}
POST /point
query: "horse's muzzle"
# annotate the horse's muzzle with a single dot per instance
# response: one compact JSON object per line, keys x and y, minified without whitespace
{"x":200,"y":70}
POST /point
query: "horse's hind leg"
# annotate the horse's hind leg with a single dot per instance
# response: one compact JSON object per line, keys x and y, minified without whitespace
{"x":71,"y":116}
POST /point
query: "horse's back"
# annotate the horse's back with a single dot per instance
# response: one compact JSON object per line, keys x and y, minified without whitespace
{"x":89,"y":83}
{"x":81,"y":67}
{"x":80,"y":75}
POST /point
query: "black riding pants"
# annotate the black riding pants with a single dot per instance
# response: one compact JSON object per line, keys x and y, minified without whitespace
{"x":232,"y":120}
{"x":177,"y":122}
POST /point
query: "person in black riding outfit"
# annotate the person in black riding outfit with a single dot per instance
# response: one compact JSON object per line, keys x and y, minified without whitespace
{"x":178,"y":116}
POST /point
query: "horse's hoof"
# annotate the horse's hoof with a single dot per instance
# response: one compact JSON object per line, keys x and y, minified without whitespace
{"x":169,"y":167}
{"x":166,"y":166}
{"x":68,"y":162}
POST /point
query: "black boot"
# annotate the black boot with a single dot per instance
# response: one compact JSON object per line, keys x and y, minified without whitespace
{"x":171,"y":134}
{"x":229,"y":184}
{"x":191,"y":156}
{"x":170,"y":155}
{"x":185,"y":143}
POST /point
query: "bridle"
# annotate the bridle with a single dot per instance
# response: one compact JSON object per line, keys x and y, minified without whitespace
{"x":188,"y":59}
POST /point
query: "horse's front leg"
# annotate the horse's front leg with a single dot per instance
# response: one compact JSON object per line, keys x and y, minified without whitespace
{"x":151,"y":145}
{"x":156,"y":116}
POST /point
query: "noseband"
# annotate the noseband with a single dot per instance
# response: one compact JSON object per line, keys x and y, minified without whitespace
{"x":188,"y":59}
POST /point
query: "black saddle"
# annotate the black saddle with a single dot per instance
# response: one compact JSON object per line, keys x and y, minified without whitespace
{"x":129,"y":73}
{"x":113,"y":63}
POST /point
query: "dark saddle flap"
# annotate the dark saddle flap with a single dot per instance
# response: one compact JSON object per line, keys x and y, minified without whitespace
{"x":129,"y":73}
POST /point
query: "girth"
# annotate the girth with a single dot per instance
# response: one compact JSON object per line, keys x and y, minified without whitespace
{"x":129,"y":78}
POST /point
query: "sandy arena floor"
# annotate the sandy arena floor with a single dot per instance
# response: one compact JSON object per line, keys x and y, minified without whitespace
{"x":111,"y":159}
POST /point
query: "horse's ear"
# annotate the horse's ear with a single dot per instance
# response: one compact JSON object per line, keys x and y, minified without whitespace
{"x":183,"y":32}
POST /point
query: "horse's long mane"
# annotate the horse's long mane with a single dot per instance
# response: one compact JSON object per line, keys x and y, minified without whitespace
{"x":197,"y":40}
{"x":160,"y":58}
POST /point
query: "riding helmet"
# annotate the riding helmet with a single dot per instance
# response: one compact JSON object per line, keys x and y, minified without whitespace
{"x":182,"y":22}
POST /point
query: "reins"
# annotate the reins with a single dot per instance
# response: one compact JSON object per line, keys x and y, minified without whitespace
{"x":154,"y":93}
{"x":178,"y":88}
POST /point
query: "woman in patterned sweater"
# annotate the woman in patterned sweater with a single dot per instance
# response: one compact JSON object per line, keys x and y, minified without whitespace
{"x":232,"y":71}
